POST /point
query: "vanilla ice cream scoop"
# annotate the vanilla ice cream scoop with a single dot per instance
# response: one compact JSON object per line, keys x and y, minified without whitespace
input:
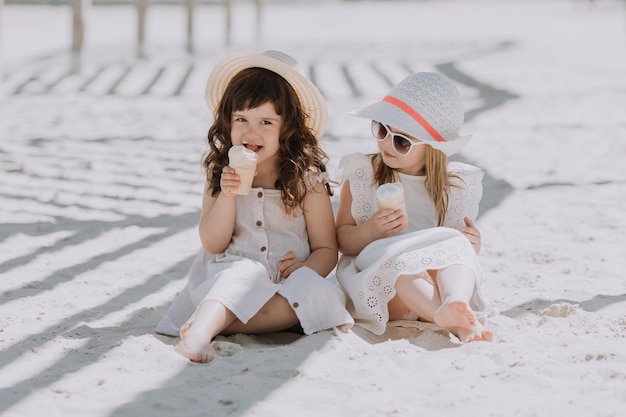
{"x":391,"y":195}
{"x":243,"y":160}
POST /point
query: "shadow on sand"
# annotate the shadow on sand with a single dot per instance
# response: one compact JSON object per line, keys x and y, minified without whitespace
{"x":592,"y":305}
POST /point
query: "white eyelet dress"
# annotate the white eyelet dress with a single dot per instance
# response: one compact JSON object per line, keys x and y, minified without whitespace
{"x":246,"y":275}
{"x":369,"y":278}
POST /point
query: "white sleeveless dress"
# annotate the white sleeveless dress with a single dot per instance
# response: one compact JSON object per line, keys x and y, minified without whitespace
{"x":369,"y":278}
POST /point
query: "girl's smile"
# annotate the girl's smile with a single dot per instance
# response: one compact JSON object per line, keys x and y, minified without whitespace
{"x":253,"y":147}
{"x":258,"y":129}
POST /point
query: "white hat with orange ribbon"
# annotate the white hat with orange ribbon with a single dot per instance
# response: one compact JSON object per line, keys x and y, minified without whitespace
{"x":427,"y":106}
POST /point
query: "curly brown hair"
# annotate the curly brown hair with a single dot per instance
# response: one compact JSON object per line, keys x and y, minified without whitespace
{"x":299,"y":152}
{"x":438,"y":179}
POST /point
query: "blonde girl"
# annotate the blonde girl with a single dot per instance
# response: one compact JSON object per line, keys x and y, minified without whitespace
{"x":422,"y":263}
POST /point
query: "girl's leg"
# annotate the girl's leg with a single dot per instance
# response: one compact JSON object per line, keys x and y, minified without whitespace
{"x":418,"y":294}
{"x":209,"y":320}
{"x":276,"y":315}
{"x":213,"y":318}
{"x":456,"y":285}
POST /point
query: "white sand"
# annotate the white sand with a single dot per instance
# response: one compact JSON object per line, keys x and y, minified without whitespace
{"x":100,"y":195}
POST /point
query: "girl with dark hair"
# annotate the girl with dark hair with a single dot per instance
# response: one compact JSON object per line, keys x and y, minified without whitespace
{"x":265,"y":254}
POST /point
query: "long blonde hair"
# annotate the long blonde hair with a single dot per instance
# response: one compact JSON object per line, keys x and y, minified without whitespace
{"x":438,"y":179}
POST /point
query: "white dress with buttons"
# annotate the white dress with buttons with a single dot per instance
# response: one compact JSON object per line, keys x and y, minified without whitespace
{"x":370,"y":277}
{"x":246,"y":275}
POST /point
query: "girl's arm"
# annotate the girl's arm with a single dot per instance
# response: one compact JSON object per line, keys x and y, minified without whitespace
{"x":217,"y":220}
{"x":473,"y":234}
{"x":464,"y":200}
{"x":352,"y":238}
{"x":320,"y":225}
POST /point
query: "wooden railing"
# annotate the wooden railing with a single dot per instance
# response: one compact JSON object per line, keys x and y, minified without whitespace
{"x":78,"y":22}
{"x":80,"y":7}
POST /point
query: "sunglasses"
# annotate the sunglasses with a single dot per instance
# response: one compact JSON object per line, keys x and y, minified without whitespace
{"x":399,"y":142}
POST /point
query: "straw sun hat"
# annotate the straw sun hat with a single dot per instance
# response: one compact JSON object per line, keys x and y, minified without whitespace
{"x":426,"y":105}
{"x":280,"y":63}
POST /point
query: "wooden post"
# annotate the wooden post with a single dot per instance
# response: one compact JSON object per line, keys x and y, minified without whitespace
{"x":78,"y":32}
{"x":142,"y":6}
{"x":229,"y":13}
{"x":191,"y":4}
{"x":258,"y":4}
{"x":1,"y":76}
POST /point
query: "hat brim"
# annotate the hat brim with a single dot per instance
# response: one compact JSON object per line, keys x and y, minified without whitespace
{"x":391,"y":115}
{"x":310,"y":97}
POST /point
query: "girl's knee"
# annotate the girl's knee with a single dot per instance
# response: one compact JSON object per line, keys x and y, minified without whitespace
{"x":326,"y":289}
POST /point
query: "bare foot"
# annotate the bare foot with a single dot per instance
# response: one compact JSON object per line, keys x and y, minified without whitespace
{"x":457,"y":317}
{"x":203,"y":355}
{"x":194,"y":346}
{"x":473,"y":334}
{"x":455,"y":314}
